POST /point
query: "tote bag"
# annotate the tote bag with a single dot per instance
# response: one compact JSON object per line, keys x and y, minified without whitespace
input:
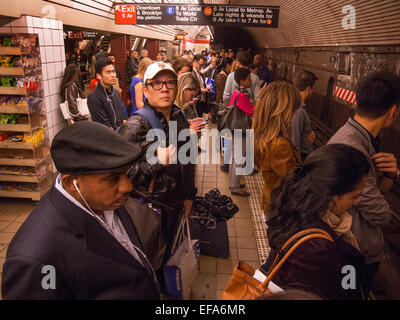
{"x":243,"y":286}
{"x":82,"y":107}
{"x":147,"y":221}
{"x":182,"y":267}
{"x":234,"y":118}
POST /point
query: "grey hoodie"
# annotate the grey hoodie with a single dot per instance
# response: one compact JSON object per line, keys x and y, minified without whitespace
{"x":373,"y":211}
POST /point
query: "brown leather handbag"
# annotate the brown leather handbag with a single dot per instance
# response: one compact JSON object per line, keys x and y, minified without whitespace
{"x":242,"y":285}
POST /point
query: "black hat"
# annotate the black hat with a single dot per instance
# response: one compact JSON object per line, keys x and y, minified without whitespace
{"x":88,"y":147}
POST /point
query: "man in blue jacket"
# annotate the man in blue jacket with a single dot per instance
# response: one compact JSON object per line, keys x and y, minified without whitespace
{"x":79,"y":243}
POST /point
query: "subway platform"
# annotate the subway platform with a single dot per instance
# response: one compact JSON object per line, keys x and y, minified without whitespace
{"x":246,"y":231}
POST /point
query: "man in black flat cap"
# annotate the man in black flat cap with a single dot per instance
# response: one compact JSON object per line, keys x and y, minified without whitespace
{"x":79,"y":243}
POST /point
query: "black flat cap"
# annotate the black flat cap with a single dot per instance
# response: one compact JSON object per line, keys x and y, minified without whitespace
{"x":88,"y":147}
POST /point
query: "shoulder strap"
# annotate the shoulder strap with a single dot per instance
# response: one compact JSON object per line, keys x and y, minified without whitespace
{"x":236,"y":98}
{"x":287,"y":250}
{"x":150,"y":117}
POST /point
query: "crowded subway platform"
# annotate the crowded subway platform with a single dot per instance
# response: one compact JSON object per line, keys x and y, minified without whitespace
{"x":180,"y":163}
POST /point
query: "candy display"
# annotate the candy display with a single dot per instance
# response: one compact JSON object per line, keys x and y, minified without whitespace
{"x":36,"y":138}
{"x":7,"y":42}
{"x":32,"y":115}
{"x":16,"y":170}
{"x":9,"y":118}
{"x":14,"y":186}
{"x":6,"y":61}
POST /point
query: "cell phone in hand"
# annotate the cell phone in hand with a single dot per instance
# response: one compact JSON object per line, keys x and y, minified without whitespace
{"x":204,"y":122}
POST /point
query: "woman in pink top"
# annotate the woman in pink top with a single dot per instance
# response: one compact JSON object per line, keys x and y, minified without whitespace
{"x":243,"y":79}
{"x":243,"y":102}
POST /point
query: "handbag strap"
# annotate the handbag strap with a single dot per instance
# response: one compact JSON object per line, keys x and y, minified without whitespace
{"x":292,"y":240}
{"x":236,"y":98}
{"x":177,"y":236}
{"x":287,"y":250}
{"x":180,"y":234}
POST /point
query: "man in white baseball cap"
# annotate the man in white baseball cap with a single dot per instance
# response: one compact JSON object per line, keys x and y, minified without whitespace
{"x":168,"y":185}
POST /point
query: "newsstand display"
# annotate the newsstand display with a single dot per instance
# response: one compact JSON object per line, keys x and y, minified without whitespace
{"x":25,"y":163}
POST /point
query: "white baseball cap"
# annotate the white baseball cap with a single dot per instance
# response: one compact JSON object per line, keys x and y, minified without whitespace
{"x":155,"y":68}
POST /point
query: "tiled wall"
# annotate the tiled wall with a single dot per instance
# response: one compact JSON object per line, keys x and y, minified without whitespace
{"x":52,"y":54}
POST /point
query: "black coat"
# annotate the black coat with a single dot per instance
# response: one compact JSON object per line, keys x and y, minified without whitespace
{"x":110,"y":113}
{"x":174,"y":183}
{"x":89,"y":262}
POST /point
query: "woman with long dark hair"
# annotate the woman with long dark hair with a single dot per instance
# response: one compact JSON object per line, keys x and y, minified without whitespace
{"x":318,"y":195}
{"x":71,"y":90}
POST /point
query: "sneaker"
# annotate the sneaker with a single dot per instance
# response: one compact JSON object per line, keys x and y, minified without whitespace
{"x":225,"y":167}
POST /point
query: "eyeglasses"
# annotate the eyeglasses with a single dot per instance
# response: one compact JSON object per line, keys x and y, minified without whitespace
{"x":157,"y":85}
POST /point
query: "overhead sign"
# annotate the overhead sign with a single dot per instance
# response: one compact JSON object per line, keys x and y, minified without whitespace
{"x":213,"y":15}
{"x":75,"y":35}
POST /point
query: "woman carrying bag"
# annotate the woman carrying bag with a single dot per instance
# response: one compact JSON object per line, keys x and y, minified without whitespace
{"x":309,"y":231}
{"x":240,"y":100}
{"x":71,"y":91}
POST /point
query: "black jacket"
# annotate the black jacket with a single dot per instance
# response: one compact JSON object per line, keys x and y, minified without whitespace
{"x":119,"y":77}
{"x":89,"y":262}
{"x":131,"y":69}
{"x":108,"y":112}
{"x":174,"y":183}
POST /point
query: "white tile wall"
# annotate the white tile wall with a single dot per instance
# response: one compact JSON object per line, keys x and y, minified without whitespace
{"x":48,"y":41}
{"x":53,"y":86}
{"x":43,"y":57}
{"x":46,"y":23}
{"x":37,"y":22}
{"x":54,"y":102}
{"x":46,"y":88}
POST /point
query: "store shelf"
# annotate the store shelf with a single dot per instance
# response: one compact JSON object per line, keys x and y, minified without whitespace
{"x":24,"y":154}
{"x":18,"y":178}
{"x":18,"y":162}
{"x":34,"y":195}
{"x":13,"y":90}
{"x":23,"y":162}
{"x":14,"y":109}
{"x":10,"y":51}
{"x":16,"y":145}
{"x":11,"y":71}
{"x":16,"y":127}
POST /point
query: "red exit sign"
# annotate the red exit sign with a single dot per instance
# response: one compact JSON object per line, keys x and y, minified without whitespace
{"x":125,"y":14}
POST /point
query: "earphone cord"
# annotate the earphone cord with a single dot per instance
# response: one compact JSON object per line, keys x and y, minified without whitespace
{"x":112,"y":106}
{"x":104,"y":224}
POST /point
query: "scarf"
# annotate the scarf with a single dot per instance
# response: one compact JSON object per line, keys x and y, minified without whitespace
{"x":341,"y":225}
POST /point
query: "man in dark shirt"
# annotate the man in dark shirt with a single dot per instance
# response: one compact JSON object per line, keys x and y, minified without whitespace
{"x":302,"y":135}
{"x":111,"y":56}
{"x":104,"y":102}
{"x":131,"y":67}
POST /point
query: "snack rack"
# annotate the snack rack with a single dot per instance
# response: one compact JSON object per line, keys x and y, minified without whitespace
{"x":25,"y":162}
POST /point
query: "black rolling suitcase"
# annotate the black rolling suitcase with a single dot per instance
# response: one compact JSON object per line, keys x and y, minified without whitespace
{"x":213,"y":242}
